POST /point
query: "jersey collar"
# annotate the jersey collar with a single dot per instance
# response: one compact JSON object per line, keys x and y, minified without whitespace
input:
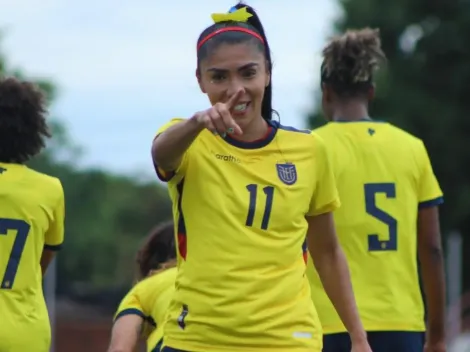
{"x":259,"y":143}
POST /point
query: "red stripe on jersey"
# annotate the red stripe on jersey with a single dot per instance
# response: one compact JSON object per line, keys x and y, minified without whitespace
{"x":305,"y":251}
{"x":182,"y":245}
{"x":181,"y":230}
{"x":268,"y":133}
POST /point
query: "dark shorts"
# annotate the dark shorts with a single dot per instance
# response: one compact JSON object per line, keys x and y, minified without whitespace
{"x":380,"y":341}
{"x":158,"y":347}
{"x":171,"y":349}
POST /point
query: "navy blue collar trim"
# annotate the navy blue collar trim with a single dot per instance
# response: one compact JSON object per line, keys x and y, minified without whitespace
{"x":256,"y":144}
{"x":365,"y":119}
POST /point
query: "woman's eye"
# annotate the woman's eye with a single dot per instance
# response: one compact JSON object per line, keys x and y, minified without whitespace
{"x":218,"y":77}
{"x":249,"y":73}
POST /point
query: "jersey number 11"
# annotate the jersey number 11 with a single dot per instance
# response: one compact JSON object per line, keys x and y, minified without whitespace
{"x":269,"y":192}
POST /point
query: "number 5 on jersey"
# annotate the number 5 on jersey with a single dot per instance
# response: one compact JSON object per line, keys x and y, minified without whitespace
{"x":253,"y":192}
{"x":371,"y":190}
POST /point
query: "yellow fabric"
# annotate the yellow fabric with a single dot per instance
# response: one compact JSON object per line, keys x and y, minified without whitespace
{"x":32,"y":218}
{"x":240,"y":214}
{"x":150,"y":299}
{"x":240,"y":15}
{"x":383,"y":176}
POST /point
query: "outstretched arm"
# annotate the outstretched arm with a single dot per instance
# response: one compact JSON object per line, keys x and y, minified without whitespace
{"x":169,"y":146}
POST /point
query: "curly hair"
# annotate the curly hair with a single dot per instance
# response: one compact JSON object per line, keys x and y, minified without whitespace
{"x":23,"y":127}
{"x":158,"y":250}
{"x":350,"y":60}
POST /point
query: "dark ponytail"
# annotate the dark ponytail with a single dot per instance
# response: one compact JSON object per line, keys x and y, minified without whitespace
{"x":235,"y":37}
{"x":158,"y":249}
{"x":254,"y":21}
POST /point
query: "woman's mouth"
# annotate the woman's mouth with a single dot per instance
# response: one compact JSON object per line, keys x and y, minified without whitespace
{"x":241,"y":108}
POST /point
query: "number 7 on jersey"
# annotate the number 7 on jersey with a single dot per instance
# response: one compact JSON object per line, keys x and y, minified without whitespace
{"x":22,"y":230}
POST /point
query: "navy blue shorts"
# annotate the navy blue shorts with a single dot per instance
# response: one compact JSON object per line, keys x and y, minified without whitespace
{"x":379,"y":341}
{"x":171,"y":349}
{"x":158,"y":347}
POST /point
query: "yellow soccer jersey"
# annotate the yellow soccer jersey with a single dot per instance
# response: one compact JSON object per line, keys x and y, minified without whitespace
{"x":150,"y":299}
{"x":383,"y":176}
{"x":31,"y":218}
{"x":240,"y":212}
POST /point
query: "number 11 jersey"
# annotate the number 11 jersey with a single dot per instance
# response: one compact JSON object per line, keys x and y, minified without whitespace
{"x":240,"y":213}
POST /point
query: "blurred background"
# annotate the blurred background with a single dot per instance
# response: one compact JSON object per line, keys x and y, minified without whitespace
{"x":115,"y":73}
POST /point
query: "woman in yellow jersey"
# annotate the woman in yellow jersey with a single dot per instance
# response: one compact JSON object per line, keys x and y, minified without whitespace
{"x":31,"y":219}
{"x":245,"y":207}
{"x":389,"y":210}
{"x":141,"y":313}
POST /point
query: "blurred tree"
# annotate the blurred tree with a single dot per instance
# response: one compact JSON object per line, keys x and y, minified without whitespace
{"x":106,"y":215}
{"x":424,"y":88}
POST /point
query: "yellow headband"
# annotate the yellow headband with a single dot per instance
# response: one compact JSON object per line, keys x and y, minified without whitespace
{"x":240,"y":15}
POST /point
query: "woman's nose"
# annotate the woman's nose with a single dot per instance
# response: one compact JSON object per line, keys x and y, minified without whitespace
{"x":235,"y":87}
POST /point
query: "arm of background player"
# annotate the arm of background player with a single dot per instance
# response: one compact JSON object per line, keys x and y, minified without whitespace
{"x":323,"y":245}
{"x":432,"y":272}
{"x":171,"y":143}
{"x":46,"y":259}
{"x":126,"y":332}
{"x":129,"y":320}
{"x":430,"y":250}
{"x":331,"y":265}
{"x":54,"y":236}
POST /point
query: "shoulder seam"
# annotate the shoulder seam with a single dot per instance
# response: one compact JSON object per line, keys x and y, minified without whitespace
{"x":293,"y":129}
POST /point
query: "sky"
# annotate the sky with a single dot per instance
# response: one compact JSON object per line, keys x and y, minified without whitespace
{"x":124,"y":69}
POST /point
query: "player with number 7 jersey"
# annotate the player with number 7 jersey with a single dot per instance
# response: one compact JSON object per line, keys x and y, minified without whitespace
{"x":31,"y":220}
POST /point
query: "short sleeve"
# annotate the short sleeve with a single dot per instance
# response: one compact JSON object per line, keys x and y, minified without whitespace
{"x":325,"y":197}
{"x":132,"y":303}
{"x":166,"y":176}
{"x":429,"y":191}
{"x":54,"y":236}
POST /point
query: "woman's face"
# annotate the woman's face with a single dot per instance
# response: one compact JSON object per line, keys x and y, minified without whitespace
{"x":236,"y":67}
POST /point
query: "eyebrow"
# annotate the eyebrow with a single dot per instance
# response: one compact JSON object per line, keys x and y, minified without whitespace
{"x":241,"y":68}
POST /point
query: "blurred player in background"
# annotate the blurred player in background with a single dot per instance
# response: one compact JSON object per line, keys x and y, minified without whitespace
{"x":243,"y":196}
{"x":141,"y":313}
{"x":389,"y":210}
{"x":31,"y":219}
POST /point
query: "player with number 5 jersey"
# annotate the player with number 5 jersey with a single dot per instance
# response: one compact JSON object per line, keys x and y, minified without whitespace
{"x":248,"y":195}
{"x":31,"y":219}
{"x":389,"y":211}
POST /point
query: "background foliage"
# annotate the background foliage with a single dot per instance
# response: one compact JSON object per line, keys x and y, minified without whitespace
{"x":107,"y":215}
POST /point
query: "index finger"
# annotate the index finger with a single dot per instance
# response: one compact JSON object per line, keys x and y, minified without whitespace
{"x":232,"y":101}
